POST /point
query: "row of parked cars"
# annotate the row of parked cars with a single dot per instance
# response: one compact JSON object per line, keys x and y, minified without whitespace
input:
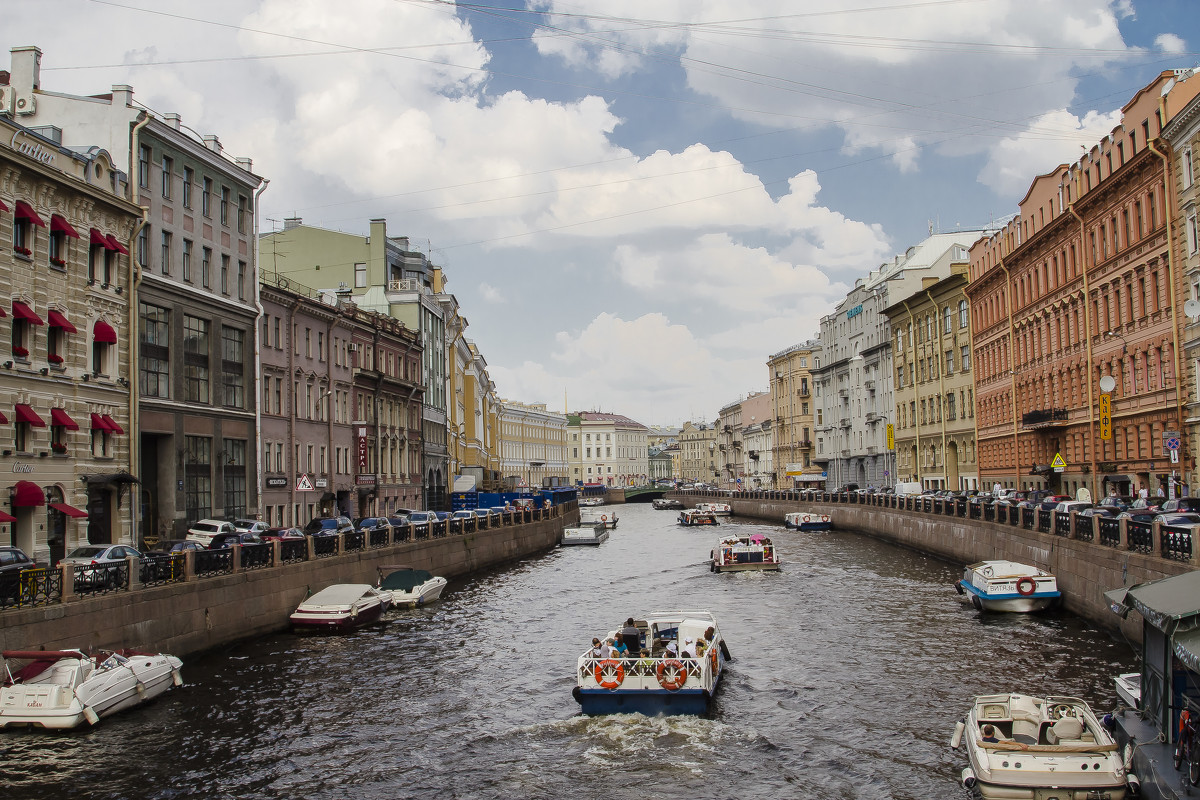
{"x":1175,"y":511}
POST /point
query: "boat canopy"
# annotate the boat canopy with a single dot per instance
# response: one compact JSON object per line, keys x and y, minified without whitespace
{"x":405,"y":580}
{"x":1161,"y":602}
{"x":339,"y":594}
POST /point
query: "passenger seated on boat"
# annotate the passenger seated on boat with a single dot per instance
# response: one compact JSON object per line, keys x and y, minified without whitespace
{"x":1065,"y":730}
{"x":990,"y":734}
{"x":632,"y":636}
{"x":619,"y":650}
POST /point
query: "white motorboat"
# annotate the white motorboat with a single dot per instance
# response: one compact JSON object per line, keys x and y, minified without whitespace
{"x":595,"y":516}
{"x":1129,"y":689}
{"x":717,"y":509}
{"x":665,"y":504}
{"x":61,"y":689}
{"x":340,"y":607}
{"x":582,"y":533}
{"x":1008,"y":586}
{"x":1030,"y":748}
{"x":674,"y":666}
{"x":742,"y":553}
{"x":410,"y":587}
{"x":591,"y":501}
{"x":807,"y":521}
{"x":694,"y":516}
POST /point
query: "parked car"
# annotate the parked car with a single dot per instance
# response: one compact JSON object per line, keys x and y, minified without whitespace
{"x":466,"y":515}
{"x":281,"y":534}
{"x":1116,"y":501}
{"x":204,"y":530}
{"x":1099,"y":511}
{"x":328,"y":526}
{"x":1181,"y":504}
{"x":1177,"y":518}
{"x":420,"y":520}
{"x":224,"y":540}
{"x":104,"y":560}
{"x":169,"y":546}
{"x":368,"y":524}
{"x":398,"y":520}
{"x":1050,"y":502}
{"x":1067,"y":506}
{"x":1143,"y":506}
{"x":13,"y":562}
{"x":250,"y":526}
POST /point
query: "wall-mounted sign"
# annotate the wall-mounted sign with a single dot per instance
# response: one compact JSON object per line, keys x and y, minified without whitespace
{"x":851,"y":313}
{"x":363,"y":452}
{"x":277,"y":481}
{"x":321,"y":483}
{"x":19,"y":467}
{"x":365,"y":480}
{"x":31,"y":148}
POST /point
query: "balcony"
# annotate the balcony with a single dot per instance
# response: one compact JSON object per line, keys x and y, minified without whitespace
{"x":843,"y":392}
{"x":872,"y":450}
{"x":737,"y":444}
{"x":805,"y":445}
{"x":870,"y":385}
{"x":844,"y":422}
{"x":802,"y":392}
{"x":845,"y":454}
{"x":873,"y":416}
{"x":1045,"y":418}
{"x":404,"y":285}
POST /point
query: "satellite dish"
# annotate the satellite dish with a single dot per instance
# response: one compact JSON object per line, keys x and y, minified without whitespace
{"x":1108,"y":383}
{"x":1192,"y":308}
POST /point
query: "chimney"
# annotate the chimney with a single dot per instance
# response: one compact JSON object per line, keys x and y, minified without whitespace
{"x":292,"y":222}
{"x":212,"y":143}
{"x":122,"y":95}
{"x":26,"y":68}
{"x":173,"y":120}
{"x":245,"y":163}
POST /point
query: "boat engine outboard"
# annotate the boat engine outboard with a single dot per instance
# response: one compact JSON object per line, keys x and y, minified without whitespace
{"x":1135,"y":785}
{"x":968,"y":779}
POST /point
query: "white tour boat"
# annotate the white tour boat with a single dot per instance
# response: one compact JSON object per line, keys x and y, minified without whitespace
{"x":61,"y":689}
{"x":694,"y":516}
{"x":807,"y":521}
{"x":1008,"y":586}
{"x":717,"y":509}
{"x":340,"y":607}
{"x":595,"y":516}
{"x":1030,"y":748}
{"x":674,"y":666}
{"x":594,"y":533}
{"x":741,"y":553}
{"x":410,"y":587}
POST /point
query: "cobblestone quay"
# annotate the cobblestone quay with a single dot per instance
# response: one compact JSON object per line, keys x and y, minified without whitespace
{"x":1087,"y":559}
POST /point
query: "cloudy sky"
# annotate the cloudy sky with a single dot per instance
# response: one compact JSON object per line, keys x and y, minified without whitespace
{"x":636,"y":203}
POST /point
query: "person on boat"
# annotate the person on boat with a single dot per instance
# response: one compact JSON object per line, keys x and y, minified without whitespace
{"x":606,"y":648}
{"x":632,"y":636}
{"x":989,"y":733}
{"x":645,"y":664}
{"x":619,"y":650}
{"x":689,"y":649}
{"x":597,"y":651}
{"x":672,"y":650}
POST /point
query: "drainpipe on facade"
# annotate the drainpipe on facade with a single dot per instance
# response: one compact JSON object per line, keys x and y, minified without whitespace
{"x":1009,"y":300}
{"x":135,"y":280}
{"x":941,"y":388}
{"x":916,"y":390}
{"x":258,"y":459}
{"x":291,"y":418}
{"x":1169,"y":212}
{"x":1087,"y":324}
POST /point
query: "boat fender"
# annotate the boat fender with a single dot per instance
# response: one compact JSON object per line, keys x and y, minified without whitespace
{"x":1127,"y":757}
{"x":956,"y":739}
{"x":725,"y":651}
{"x":141,"y":688}
{"x":968,"y":778}
{"x":958,"y":587}
{"x":1025,"y":586}
{"x":577,"y":693}
{"x":1135,"y":785}
{"x":91,"y":716}
{"x":176,"y":678}
{"x":613,"y":669}
{"x":354,"y":612}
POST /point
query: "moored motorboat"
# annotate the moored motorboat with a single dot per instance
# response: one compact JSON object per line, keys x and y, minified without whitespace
{"x":410,"y":587}
{"x":694,"y":516}
{"x":717,"y":509}
{"x":807,"y":521}
{"x":61,"y":689}
{"x":591,"y":501}
{"x":743,"y":553}
{"x":665,"y":504}
{"x":1008,"y":586}
{"x":341,"y":606}
{"x":1029,"y":748}
{"x":595,"y":516}
{"x":1129,"y":689}
{"x":594,"y":533}
{"x":674,"y":666}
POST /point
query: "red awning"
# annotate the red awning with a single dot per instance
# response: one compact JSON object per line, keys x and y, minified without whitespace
{"x":2,"y":314}
{"x":98,"y":423}
{"x":57,"y":320}
{"x":3,"y":419}
{"x":27,"y":494}
{"x":28,"y":415}
{"x":6,"y":517}
{"x":2,"y":206}
{"x":112,"y":425}
{"x":22,"y":311}
{"x":103,"y":332}
{"x":70,"y":511}
{"x":99,"y":238}
{"x":60,"y":417}
{"x":114,"y":244}
{"x":25,"y":211}
{"x":60,"y":225}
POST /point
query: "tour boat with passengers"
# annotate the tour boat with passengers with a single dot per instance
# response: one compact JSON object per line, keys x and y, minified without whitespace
{"x":1029,"y":748}
{"x":593,"y":533}
{"x":410,"y":587}
{"x":694,"y":516}
{"x":61,"y":689}
{"x":672,"y":665}
{"x":717,"y":509}
{"x":1008,"y":586}
{"x":742,"y":553}
{"x":341,"y":607}
{"x":807,"y":521}
{"x":596,"y":516}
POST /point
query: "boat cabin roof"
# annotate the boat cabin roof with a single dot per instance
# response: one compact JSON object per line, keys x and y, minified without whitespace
{"x":339,"y":594}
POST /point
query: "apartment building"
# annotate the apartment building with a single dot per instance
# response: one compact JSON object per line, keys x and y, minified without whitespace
{"x":791,"y":391}
{"x":533,"y":444}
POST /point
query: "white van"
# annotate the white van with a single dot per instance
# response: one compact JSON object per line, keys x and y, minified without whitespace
{"x":903,"y":489}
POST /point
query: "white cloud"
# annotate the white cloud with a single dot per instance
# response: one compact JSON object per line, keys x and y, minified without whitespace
{"x":1058,"y":137}
{"x":1171,"y":44}
{"x":490,"y":293}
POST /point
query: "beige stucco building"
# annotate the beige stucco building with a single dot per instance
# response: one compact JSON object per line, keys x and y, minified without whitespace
{"x":533,"y":443}
{"x":698,"y":453}
{"x":792,"y":408}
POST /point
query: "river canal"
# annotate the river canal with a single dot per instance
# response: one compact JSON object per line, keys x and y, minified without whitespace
{"x":852,"y":666}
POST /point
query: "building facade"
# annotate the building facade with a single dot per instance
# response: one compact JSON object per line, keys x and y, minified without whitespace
{"x":613,"y":449}
{"x":698,"y":453}
{"x":790,"y":375}
{"x":533,"y":444}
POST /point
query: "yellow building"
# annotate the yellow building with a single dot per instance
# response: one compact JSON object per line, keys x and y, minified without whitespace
{"x":698,"y":453}
{"x":792,"y":411}
{"x":533,"y":444}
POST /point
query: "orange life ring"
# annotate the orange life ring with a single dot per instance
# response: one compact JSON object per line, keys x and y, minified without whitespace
{"x":712,"y":650}
{"x":614,"y":669}
{"x":824,"y":518}
{"x":604,"y":517}
{"x":1026,"y":586}
{"x":806,"y":517}
{"x":673,"y":679}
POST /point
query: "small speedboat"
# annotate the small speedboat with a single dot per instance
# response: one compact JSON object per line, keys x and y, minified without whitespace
{"x":742,"y":553}
{"x":1008,"y":586}
{"x":1129,"y":689}
{"x":341,"y":606}
{"x":594,"y":516}
{"x":594,"y":533}
{"x":674,"y":666}
{"x":591,"y":501}
{"x":717,"y":509}
{"x":61,"y":689}
{"x":694,"y":516}
{"x":665,"y":504}
{"x":410,"y":587}
{"x":807,"y":521}
{"x":1022,"y":747}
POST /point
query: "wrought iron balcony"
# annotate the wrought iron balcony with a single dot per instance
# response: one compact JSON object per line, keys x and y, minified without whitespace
{"x":1045,"y":418}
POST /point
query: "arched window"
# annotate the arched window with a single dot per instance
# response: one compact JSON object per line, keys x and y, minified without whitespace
{"x":963,"y":315}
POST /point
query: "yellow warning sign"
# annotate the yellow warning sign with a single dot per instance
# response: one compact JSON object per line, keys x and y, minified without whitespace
{"x":1058,"y":462}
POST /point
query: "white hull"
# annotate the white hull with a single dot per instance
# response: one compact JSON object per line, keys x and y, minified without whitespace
{"x":744,"y":554}
{"x":427,"y":592}
{"x":1129,"y":688}
{"x":1008,"y":586}
{"x":584,"y":534}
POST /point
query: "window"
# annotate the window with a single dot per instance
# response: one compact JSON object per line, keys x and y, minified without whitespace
{"x":278,"y":341}
{"x":964,"y":315}
{"x":58,"y":249}
{"x":964,"y":357}
{"x":224,"y":205}
{"x":949,"y":362}
{"x":195,"y":359}
{"x":947,"y":320}
{"x":1193,"y":235}
{"x":187,"y":260}
{"x":103,"y":345}
{"x":197,"y":480}
{"x":360,"y":276}
{"x":321,"y":347}
{"x":206,"y":199}
{"x":243,"y":213}
{"x":224,"y":274}
{"x":166,"y":253}
{"x":1188,"y":168}
{"x":167,"y":166}
{"x":189,"y":176}
{"x":900,"y":377}
{"x":241,"y":280}
{"x":154,"y":331}
{"x":144,"y":166}
{"x":234,"y":468}
{"x":143,"y":247}
{"x":233,"y":349}
{"x":205,"y":266}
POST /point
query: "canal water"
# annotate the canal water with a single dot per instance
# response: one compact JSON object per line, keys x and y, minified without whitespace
{"x":851,"y":667}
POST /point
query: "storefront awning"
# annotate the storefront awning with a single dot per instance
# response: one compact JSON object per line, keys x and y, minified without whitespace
{"x":22,"y":311}
{"x":57,"y":320}
{"x":27,"y":494}
{"x":30,"y":417}
{"x":112,"y":425}
{"x":3,"y":207}
{"x":4,"y":517}
{"x":61,"y":418}
{"x":25,"y":211}
{"x":116,"y":478}
{"x":98,"y":423}
{"x":99,"y":239}
{"x":115,"y":244}
{"x":59,"y":225}
{"x":3,"y":418}
{"x":70,"y":511}
{"x":103,"y":333}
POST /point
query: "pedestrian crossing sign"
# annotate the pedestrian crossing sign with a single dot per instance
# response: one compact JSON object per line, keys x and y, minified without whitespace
{"x":1058,"y":462}
{"x":304,"y":484}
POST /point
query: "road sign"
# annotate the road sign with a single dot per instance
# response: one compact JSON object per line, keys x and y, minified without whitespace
{"x":304,"y":484}
{"x":1175,"y":455}
{"x":891,"y":434}
{"x":1106,"y":416}
{"x":1058,"y":462}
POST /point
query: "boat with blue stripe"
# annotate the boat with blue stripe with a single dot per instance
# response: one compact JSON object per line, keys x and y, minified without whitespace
{"x":1008,"y":586}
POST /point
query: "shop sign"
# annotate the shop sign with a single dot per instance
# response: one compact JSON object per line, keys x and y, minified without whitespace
{"x":19,"y":467}
{"x":277,"y":481}
{"x":363,"y":453}
{"x":31,"y":148}
{"x":365,"y":480}
{"x":321,"y":483}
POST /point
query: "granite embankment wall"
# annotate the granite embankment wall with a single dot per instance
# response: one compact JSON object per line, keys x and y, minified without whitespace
{"x":1085,"y":569}
{"x":206,"y":613}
